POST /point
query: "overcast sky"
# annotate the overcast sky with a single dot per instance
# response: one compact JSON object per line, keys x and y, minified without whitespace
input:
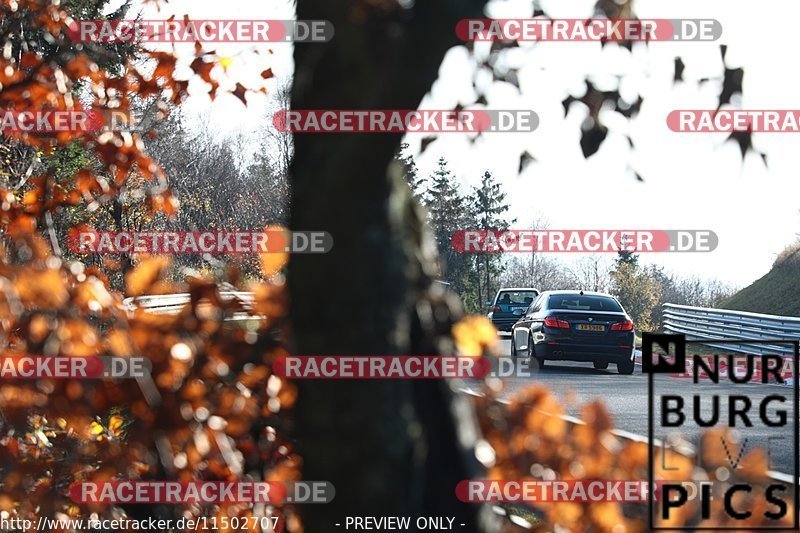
{"x":692,"y":181}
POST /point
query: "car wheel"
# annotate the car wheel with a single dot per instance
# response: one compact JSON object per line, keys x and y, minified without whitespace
{"x":601,"y":365}
{"x":625,"y":367}
{"x":538,"y":361}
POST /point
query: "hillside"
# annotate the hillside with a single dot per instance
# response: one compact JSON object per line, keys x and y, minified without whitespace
{"x":777,"y":293}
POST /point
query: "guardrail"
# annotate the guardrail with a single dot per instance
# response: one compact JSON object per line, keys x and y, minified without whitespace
{"x":170,"y":304}
{"x":699,"y":323}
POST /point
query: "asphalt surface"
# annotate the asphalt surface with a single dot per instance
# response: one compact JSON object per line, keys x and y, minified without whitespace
{"x":626,"y":399}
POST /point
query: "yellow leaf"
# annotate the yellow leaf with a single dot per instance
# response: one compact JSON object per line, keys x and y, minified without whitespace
{"x":474,"y":335}
{"x":96,"y":429}
{"x":114,"y":423}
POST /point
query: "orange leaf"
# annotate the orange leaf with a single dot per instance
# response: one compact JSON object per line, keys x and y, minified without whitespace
{"x":475,"y":335}
{"x":43,"y":290}
{"x":202,"y":69}
{"x":240,"y":92}
{"x":273,"y":262}
{"x":146,"y":274}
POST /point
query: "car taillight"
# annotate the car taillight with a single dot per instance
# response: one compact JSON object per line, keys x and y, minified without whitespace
{"x":495,"y":309}
{"x":622,"y":326}
{"x":553,"y":322}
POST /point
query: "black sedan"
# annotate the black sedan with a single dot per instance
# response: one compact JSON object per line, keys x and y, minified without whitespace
{"x":576,"y":326}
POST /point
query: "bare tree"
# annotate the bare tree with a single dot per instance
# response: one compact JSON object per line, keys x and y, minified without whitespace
{"x":546,"y":273}
{"x":281,"y":146}
{"x":592,"y":273}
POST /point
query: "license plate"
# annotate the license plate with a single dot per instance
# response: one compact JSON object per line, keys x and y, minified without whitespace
{"x":591,"y":327}
{"x":518,"y":310}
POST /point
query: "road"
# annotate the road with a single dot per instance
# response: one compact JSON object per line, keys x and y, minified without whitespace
{"x":626,"y":398}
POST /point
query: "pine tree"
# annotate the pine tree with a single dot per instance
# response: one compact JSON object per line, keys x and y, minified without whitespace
{"x":487,"y":205}
{"x":447,"y":213}
{"x":627,"y":258}
{"x":409,"y":169}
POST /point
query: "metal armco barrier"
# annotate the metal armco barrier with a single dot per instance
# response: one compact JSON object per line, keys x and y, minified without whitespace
{"x":699,"y":323}
{"x":170,"y":304}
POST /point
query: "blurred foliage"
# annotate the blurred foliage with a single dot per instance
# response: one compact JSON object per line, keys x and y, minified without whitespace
{"x":211,"y":409}
{"x":532,"y":441}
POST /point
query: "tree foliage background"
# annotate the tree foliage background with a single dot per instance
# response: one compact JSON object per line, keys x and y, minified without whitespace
{"x":213,"y":409}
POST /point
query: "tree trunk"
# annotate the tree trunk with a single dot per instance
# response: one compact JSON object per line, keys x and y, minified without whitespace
{"x":486,"y":266}
{"x":390,"y":447}
{"x":125,"y":261}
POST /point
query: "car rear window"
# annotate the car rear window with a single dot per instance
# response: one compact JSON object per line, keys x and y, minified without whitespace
{"x":576,"y":302}
{"x":516,"y":298}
